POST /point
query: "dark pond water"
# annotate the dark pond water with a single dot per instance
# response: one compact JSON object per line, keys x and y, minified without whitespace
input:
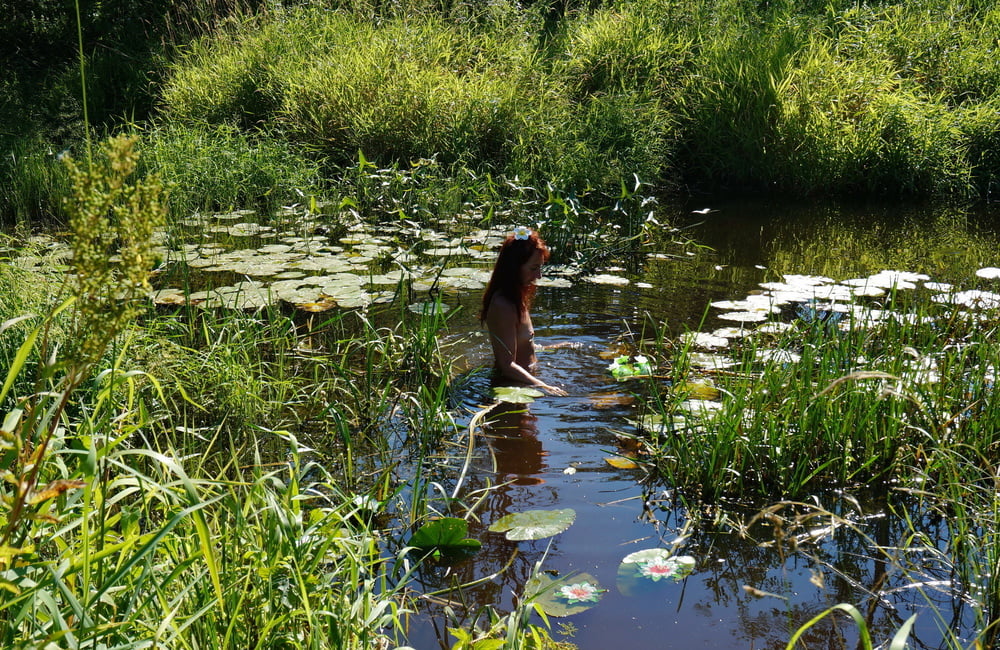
{"x":552,"y":454}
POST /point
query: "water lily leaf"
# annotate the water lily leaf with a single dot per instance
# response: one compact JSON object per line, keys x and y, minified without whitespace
{"x":699,"y":390}
{"x":447,"y":533}
{"x":320,"y":306}
{"x":744,"y":316}
{"x":534,"y":524}
{"x":429,"y":308}
{"x":517,"y":394}
{"x":169,"y":297}
{"x":644,"y":571}
{"x":621,"y":462}
{"x":605,"y":278}
{"x":564,"y":596}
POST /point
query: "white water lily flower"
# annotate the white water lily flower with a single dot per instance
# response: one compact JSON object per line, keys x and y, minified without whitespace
{"x":581,"y":592}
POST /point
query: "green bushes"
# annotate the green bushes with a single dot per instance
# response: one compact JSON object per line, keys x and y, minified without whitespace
{"x":806,"y":98}
{"x":414,"y":88}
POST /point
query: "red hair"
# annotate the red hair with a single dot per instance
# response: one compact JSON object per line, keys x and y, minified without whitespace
{"x":506,"y":278}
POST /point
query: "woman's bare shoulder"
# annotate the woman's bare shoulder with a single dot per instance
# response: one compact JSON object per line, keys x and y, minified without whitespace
{"x":501,"y":307}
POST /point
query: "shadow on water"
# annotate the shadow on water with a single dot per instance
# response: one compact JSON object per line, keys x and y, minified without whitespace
{"x":751,"y":588}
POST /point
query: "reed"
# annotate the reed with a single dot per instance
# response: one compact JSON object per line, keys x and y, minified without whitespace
{"x":832,"y":404}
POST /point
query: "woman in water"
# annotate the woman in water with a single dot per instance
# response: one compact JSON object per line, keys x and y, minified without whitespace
{"x":506,"y":304}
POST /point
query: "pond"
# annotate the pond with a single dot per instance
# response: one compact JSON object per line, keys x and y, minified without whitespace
{"x":758,"y":571}
{"x":748,"y":590}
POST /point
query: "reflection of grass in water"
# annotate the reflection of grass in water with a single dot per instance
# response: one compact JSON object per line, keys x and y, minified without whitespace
{"x":946,"y":246}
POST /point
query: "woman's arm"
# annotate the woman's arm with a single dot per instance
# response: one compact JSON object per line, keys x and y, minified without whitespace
{"x":501,"y":322}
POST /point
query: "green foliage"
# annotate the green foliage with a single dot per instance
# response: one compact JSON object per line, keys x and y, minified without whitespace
{"x":221,"y":168}
{"x":111,"y":535}
{"x":109,"y":216}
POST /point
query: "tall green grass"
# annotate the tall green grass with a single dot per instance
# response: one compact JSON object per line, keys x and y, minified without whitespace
{"x":845,"y":99}
{"x":128,"y":523}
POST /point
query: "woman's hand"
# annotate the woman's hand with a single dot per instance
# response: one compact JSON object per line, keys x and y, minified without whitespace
{"x":553,"y":390}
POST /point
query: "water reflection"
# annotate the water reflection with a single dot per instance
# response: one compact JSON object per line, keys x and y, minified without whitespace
{"x":747,"y":590}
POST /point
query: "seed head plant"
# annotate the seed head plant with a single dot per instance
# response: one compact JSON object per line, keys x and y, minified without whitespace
{"x":108,"y":214}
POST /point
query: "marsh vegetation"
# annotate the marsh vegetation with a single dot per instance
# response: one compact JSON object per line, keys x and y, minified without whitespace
{"x":241,"y":405}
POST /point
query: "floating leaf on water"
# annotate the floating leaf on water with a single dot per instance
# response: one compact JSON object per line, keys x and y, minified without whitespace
{"x":869,"y":291}
{"x":517,"y":394}
{"x":429,"y":308}
{"x":731,"y":332}
{"x":699,"y":390}
{"x":534,"y":524}
{"x":442,"y":252}
{"x":559,"y":283}
{"x":563,"y":596}
{"x":320,"y":306}
{"x":704,"y":340}
{"x":775,"y":327}
{"x":468,"y":284}
{"x":744,"y":316}
{"x":447,"y":533}
{"x":656,"y":424}
{"x":710,"y":361}
{"x":607,"y":279}
{"x":700,"y":408}
{"x":621,"y":462}
{"x":761,"y":303}
{"x":778,"y":356}
{"x":972,"y":298}
{"x":169,"y":297}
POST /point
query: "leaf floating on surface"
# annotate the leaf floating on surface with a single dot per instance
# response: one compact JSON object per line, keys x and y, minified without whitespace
{"x":564,"y":596}
{"x":447,"y":533}
{"x":517,"y":394}
{"x":534,"y":524}
{"x":620,"y":462}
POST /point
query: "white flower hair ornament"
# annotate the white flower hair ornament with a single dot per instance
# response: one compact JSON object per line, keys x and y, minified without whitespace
{"x":522,"y":232}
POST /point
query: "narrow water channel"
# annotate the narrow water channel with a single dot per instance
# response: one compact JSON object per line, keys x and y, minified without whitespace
{"x":745,"y":591}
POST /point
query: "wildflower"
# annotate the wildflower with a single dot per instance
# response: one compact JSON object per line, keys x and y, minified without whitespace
{"x":522,"y":232}
{"x":581,"y":592}
{"x":660,"y":568}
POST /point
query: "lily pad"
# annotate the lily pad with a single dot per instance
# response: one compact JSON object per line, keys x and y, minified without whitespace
{"x":534,"y":524}
{"x":621,"y":462}
{"x":605,"y":278}
{"x":517,"y":394}
{"x":646,"y":570}
{"x":564,"y":596}
{"x":444,"y":535}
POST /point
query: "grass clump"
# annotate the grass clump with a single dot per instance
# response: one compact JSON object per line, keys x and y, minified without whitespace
{"x":220,"y":167}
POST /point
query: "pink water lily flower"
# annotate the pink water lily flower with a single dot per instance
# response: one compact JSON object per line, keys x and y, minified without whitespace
{"x":581,"y":592}
{"x":657,"y":569}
